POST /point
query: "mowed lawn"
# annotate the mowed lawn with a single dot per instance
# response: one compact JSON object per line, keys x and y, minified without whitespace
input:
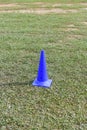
{"x":60,"y":28}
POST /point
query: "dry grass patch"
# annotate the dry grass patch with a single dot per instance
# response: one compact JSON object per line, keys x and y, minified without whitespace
{"x":73,"y":37}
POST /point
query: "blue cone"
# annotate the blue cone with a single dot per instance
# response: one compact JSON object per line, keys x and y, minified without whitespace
{"x":42,"y":76}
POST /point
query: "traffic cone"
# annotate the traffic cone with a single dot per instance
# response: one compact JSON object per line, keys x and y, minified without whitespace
{"x":42,"y":75}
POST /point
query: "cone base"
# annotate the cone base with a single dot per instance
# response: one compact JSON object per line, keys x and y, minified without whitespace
{"x":45,"y":84}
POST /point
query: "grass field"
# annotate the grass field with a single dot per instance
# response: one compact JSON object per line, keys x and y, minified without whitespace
{"x":60,"y":28}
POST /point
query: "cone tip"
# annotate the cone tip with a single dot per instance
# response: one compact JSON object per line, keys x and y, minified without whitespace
{"x":42,"y":50}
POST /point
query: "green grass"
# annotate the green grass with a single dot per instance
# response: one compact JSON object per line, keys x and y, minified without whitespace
{"x":64,"y":38}
{"x":57,"y":1}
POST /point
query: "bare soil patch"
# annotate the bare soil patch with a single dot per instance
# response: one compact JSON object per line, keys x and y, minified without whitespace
{"x":84,"y":4}
{"x":71,"y":29}
{"x":71,"y":25}
{"x":39,"y":11}
{"x":8,"y":5}
{"x":59,"y":4}
{"x":84,"y":8}
{"x":40,"y":3}
{"x":85,"y":23}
